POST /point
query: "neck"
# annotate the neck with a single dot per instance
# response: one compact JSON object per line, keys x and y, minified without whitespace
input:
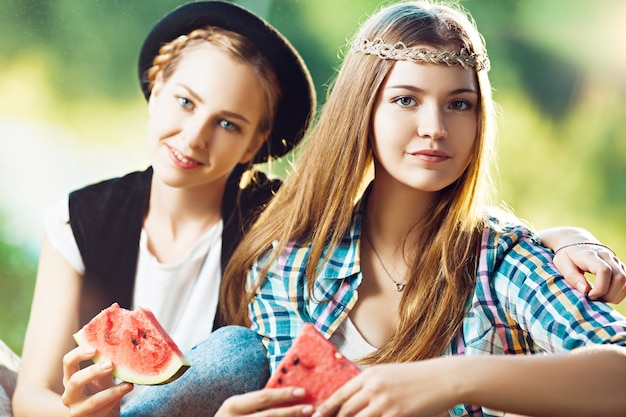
{"x":392,"y":212}
{"x":178,"y":217}
{"x":178,"y":208}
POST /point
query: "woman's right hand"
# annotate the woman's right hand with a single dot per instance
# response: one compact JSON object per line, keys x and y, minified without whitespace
{"x":91,"y":391}
{"x":266,"y":403}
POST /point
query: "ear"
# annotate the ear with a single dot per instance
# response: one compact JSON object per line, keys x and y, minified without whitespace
{"x":254,"y":147}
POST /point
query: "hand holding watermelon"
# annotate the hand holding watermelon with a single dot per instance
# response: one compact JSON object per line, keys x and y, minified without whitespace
{"x":135,"y":344}
{"x":91,"y":391}
{"x":129,"y":345}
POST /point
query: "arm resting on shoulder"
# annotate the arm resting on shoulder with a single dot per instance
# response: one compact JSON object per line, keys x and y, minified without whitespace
{"x":574,"y":258}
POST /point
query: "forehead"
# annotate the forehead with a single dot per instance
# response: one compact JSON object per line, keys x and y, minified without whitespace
{"x":427,"y":76}
{"x":220,"y":80}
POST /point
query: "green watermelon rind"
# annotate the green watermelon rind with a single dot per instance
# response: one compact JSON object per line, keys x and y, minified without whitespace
{"x":171,"y":371}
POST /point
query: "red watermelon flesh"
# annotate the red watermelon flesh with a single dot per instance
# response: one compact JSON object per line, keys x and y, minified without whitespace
{"x":135,"y":342}
{"x":315,"y":364}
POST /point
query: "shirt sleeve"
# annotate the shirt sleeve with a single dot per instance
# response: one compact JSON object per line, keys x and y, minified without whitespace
{"x":534,"y":306}
{"x":60,"y":235}
{"x":274,"y":310}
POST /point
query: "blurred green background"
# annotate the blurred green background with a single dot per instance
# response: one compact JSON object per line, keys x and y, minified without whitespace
{"x":71,"y":111}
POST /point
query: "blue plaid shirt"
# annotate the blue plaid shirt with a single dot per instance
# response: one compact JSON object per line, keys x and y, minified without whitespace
{"x":520,"y":305}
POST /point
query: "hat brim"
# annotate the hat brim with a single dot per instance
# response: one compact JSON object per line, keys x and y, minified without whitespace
{"x":297,"y":104}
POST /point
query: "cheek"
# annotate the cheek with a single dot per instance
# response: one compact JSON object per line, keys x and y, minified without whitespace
{"x":390,"y":139}
{"x":466,"y":134}
{"x":382,"y":133}
{"x":152,"y":130}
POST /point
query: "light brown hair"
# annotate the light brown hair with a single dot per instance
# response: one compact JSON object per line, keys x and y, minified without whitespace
{"x":316,"y":203}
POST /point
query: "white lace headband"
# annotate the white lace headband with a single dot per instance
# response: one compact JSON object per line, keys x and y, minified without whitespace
{"x":399,"y":51}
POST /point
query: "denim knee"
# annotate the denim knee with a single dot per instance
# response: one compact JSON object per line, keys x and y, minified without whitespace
{"x":231,"y":361}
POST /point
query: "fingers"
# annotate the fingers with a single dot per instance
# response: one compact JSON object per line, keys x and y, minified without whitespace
{"x":574,"y":276}
{"x":72,"y":360}
{"x":266,"y":403}
{"x":609,"y":271}
{"x":98,"y":404}
{"x":353,"y":406}
{"x":610,"y":282}
{"x":602,"y":283}
{"x":90,"y":390}
{"x":340,"y":399}
{"x":92,"y":374}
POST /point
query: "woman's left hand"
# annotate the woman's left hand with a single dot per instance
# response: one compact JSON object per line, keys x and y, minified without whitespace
{"x":400,"y":390}
{"x":610,"y":273}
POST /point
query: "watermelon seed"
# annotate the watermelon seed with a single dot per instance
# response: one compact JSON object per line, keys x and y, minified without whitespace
{"x":280,"y":381}
{"x":296,"y":360}
{"x":144,"y":334}
{"x":135,"y":341}
{"x":284,"y":369}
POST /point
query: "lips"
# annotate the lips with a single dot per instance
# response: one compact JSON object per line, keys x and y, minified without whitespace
{"x":181,"y":160}
{"x":431,"y":155}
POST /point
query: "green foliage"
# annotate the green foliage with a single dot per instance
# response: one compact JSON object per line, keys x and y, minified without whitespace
{"x":562,"y":147}
{"x":16,"y":291}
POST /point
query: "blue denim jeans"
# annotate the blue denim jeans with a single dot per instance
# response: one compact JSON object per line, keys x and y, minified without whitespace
{"x":232,"y":360}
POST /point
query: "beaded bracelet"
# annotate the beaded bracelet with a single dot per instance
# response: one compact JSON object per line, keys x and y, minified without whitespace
{"x":584,"y":243}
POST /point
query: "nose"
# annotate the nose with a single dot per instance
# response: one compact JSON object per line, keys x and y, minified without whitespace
{"x":197,"y":133}
{"x":431,"y":122}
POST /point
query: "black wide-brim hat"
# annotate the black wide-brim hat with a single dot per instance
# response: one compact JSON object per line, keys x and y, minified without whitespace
{"x":297,"y":103}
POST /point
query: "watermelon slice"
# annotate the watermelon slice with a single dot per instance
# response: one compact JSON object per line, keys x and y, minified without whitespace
{"x":135,"y":342}
{"x":315,"y":364}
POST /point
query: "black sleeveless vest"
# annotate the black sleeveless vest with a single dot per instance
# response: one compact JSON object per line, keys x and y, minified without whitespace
{"x":107,"y":218}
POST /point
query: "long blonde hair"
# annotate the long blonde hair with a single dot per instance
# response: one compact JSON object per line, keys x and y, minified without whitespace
{"x":316,"y":203}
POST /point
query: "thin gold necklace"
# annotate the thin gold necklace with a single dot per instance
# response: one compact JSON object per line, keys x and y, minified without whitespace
{"x":399,"y":286}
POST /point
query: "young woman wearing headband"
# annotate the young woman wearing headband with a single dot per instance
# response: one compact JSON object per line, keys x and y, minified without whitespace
{"x":398,"y":256}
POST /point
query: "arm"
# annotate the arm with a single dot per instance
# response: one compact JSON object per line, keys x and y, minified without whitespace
{"x":537,"y":385}
{"x":572,"y":338}
{"x":53,"y":320}
{"x":575,"y":261}
{"x":550,"y":385}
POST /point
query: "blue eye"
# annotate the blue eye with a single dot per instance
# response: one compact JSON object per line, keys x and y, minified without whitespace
{"x":227,"y":125}
{"x":405,"y":101}
{"x":185,"y":103}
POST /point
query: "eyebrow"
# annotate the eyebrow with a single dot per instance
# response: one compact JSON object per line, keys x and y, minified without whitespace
{"x":227,"y":113}
{"x":236,"y":116}
{"x":421,"y":90}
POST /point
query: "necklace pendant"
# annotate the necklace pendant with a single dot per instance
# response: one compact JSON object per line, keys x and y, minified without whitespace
{"x":399,"y":286}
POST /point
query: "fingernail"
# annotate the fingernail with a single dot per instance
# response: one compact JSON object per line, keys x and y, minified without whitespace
{"x":581,"y":287}
{"x":298,"y":392}
{"x":106,"y":365}
{"x":317,"y":414}
{"x":307,"y":409}
{"x":89,"y":350}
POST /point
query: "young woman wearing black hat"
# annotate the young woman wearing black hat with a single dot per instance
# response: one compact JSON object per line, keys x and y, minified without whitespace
{"x":225,"y":90}
{"x":160,"y":238}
